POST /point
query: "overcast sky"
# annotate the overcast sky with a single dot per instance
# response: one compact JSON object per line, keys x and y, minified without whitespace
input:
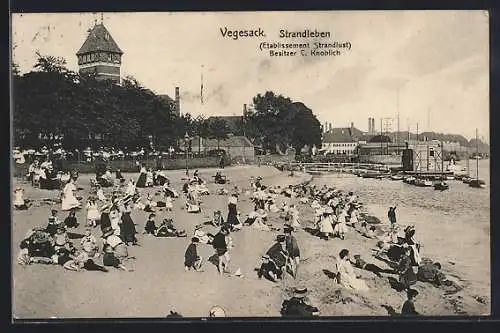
{"x":438,"y":60}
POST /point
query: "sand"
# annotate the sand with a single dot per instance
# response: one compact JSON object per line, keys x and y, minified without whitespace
{"x":159,"y":283}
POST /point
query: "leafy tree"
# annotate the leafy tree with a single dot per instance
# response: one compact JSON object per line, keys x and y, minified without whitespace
{"x":218,"y":129}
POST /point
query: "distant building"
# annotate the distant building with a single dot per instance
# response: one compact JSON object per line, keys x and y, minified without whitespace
{"x":100,"y":55}
{"x":176,"y":102}
{"x":339,"y":141}
{"x":234,"y":123}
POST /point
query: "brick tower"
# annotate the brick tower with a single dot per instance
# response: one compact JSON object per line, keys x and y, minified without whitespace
{"x":100,"y":55}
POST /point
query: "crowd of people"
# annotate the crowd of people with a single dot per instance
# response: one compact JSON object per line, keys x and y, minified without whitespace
{"x":336,"y":215}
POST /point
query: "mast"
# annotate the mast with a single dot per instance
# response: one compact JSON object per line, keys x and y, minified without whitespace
{"x":397,"y":109}
{"x":477,"y":157}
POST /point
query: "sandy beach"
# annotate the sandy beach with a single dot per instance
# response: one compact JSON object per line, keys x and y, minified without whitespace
{"x":159,"y":283}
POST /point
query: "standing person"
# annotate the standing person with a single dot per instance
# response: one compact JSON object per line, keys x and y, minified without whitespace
{"x":93,"y":215}
{"x":127,"y":227}
{"x":408,"y":308}
{"x":391,"y":214}
{"x":105,"y":219}
{"x":407,"y":276}
{"x":293,"y":250}
{"x":69,"y":200}
{"x":220,"y":245}
{"x":232,"y":215}
{"x":341,"y":228}
{"x":191,"y":258}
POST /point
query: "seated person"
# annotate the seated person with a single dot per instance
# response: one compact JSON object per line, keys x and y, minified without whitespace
{"x":203,"y":237}
{"x":218,"y":220}
{"x":219,"y":179}
{"x":430,"y":272}
{"x":167,"y":229}
{"x":110,"y":260}
{"x":275,"y":260}
{"x":192,"y":206}
{"x":150,"y":227}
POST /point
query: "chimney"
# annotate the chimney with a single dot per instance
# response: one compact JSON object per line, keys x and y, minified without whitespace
{"x":244,"y":109}
{"x":352,"y":125}
{"x":369,"y":124}
{"x":325,"y":128}
{"x":330,"y":127}
{"x":177,"y":102}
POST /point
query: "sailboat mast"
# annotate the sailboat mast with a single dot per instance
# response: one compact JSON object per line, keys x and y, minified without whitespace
{"x":477,"y":157}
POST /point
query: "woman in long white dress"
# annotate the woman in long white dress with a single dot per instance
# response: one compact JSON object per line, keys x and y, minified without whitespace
{"x":346,"y":275}
{"x":340,"y":227}
{"x":69,"y":201}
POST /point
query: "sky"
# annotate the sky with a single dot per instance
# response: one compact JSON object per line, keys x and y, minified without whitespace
{"x":437,"y":62}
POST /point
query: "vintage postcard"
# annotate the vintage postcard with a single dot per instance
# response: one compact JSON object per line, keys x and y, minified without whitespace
{"x":250,"y":164}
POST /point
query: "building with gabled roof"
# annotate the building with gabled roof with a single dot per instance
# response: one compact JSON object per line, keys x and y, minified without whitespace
{"x":100,"y":55}
{"x":234,"y":123}
{"x":341,"y":141}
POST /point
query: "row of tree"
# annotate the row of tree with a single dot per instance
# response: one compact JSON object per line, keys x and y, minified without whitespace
{"x":52,"y":103}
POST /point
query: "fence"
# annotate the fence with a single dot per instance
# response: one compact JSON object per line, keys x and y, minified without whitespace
{"x":127,"y":165}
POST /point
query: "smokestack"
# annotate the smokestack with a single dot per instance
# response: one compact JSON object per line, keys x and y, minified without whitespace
{"x":244,"y":109}
{"x":177,"y":102}
{"x":352,"y":125}
{"x":373,"y":125}
{"x":369,"y":124}
{"x":325,"y":128}
{"x":330,"y":127}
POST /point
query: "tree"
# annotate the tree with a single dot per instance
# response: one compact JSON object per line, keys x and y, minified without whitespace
{"x":276,"y":123}
{"x":218,"y":129}
{"x":201,"y":129}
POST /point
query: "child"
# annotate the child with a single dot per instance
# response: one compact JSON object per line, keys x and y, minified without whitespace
{"x":110,"y":260}
{"x":60,"y":238}
{"x":150,"y":227}
{"x":408,"y":308}
{"x":168,"y":203}
{"x":70,"y":221}
{"x":19,"y":202}
{"x":100,"y":194}
{"x":93,"y":214}
{"x":218,"y":220}
{"x":191,"y":258}
{"x":89,"y":244}
{"x":53,"y":222}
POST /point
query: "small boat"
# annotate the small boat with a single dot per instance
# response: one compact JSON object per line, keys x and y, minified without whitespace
{"x":376,"y":175}
{"x":423,"y":182}
{"x":396,"y":177}
{"x":441,"y":186}
{"x":477,"y":183}
{"x":409,"y":180}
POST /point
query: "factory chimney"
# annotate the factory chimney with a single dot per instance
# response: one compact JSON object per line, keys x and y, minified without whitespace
{"x":177,"y":102}
{"x":329,"y":127}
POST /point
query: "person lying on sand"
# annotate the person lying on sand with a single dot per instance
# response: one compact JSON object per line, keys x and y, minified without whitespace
{"x":167,"y":229}
{"x":297,"y":306}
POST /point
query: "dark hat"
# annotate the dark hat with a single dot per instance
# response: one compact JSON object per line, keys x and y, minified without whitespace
{"x":288,"y":228}
{"x":195,"y":240}
{"x":412,"y":293}
{"x":53,"y":211}
{"x":280,"y":238}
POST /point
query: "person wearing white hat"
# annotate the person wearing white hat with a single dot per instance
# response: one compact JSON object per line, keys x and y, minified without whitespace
{"x":325,"y":223}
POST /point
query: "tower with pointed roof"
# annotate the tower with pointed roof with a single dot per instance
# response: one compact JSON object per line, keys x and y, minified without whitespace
{"x":100,"y":55}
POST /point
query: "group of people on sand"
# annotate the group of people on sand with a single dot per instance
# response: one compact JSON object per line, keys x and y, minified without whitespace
{"x":336,"y":214}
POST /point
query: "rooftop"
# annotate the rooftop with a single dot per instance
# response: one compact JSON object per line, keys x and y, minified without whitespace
{"x":99,"y":39}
